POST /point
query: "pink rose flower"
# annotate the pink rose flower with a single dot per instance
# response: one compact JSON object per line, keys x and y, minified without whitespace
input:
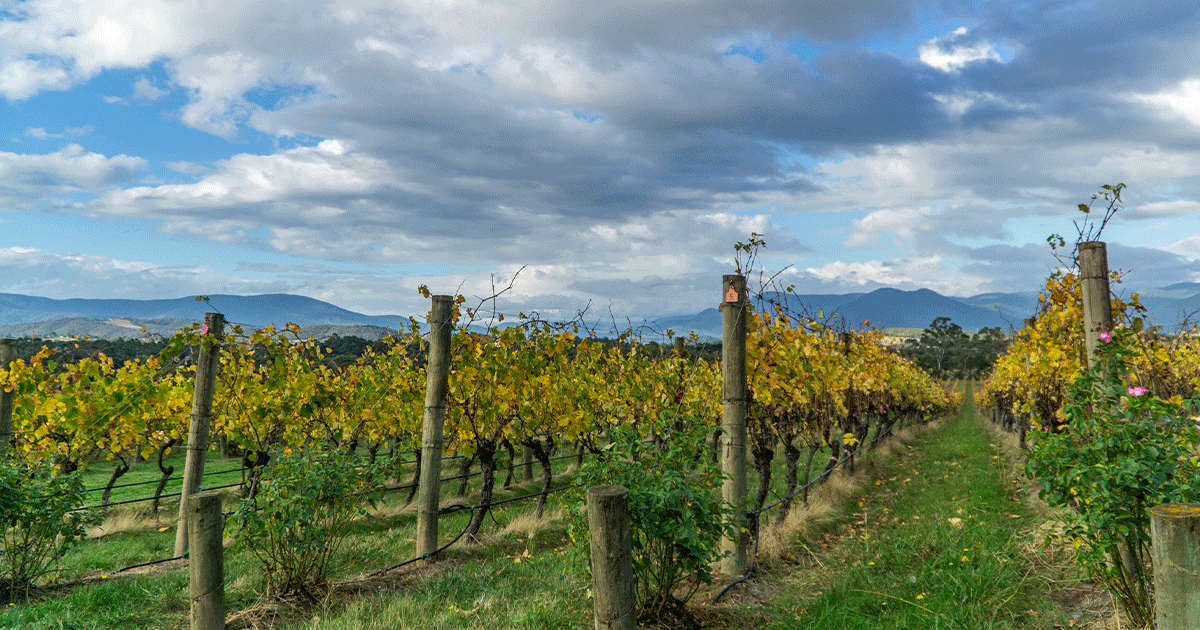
{"x":1137,"y":391}
{"x":1106,"y":336}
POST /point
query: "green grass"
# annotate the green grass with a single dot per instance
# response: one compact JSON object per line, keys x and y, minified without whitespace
{"x":938,"y":540}
{"x":80,"y":597}
{"x":145,"y":602}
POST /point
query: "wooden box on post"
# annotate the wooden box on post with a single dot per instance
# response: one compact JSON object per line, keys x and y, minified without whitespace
{"x":733,"y":415}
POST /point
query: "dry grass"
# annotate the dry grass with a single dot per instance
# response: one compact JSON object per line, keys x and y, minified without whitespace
{"x":133,"y":520}
{"x":528,"y":525}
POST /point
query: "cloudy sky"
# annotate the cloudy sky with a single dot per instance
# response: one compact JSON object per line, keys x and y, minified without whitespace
{"x":616,"y":150}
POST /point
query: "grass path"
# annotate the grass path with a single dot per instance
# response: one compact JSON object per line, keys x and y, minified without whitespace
{"x":940,"y":538}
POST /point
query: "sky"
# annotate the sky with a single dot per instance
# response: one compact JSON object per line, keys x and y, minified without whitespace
{"x":604,"y":156}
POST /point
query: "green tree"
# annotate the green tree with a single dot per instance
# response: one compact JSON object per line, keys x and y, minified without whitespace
{"x":941,"y":346}
{"x":945,"y":350}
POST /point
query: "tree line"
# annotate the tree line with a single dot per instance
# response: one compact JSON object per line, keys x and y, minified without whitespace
{"x":945,"y":350}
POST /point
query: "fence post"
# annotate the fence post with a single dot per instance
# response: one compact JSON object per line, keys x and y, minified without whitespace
{"x":733,"y":415}
{"x":206,"y":564}
{"x":612,"y":558}
{"x":8,"y":354}
{"x":437,"y":376}
{"x":1175,"y":553}
{"x":202,"y":404}
{"x":1097,"y":307}
{"x":526,"y":464}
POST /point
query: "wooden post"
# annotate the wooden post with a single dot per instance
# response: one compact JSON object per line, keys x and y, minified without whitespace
{"x":681,"y":347}
{"x":437,"y":378}
{"x":8,"y":354}
{"x":202,"y":403}
{"x":206,"y":564}
{"x":612,"y":558}
{"x":1175,"y":553}
{"x":733,"y":414}
{"x":1097,"y":307}
{"x":526,"y":464}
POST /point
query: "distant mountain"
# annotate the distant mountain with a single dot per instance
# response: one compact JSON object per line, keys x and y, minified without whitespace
{"x":1012,"y":307}
{"x":1176,"y":291}
{"x":893,"y":308}
{"x":23,"y":315}
{"x":128,"y":328}
{"x":882,"y":308}
{"x":249,"y":310}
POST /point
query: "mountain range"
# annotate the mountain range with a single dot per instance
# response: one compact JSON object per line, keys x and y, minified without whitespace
{"x":23,"y":315}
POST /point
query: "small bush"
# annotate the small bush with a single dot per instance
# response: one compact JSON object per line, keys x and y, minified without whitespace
{"x":677,"y":517}
{"x":37,"y":525}
{"x":301,"y":515}
{"x":1115,"y":453}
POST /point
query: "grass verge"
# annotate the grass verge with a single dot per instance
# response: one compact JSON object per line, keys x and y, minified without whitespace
{"x":940,"y":538}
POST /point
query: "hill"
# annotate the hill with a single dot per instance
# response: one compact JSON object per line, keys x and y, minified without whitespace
{"x":882,"y":308}
{"x":23,"y":315}
{"x":252,"y":311}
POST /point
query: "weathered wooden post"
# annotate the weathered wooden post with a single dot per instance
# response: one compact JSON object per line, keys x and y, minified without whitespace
{"x":733,"y":414}
{"x":1097,"y":318}
{"x":526,"y":464}
{"x":612,"y":558}
{"x":1097,"y":307}
{"x":437,"y":379}
{"x":1175,"y":552}
{"x":8,"y":354}
{"x":206,"y":564}
{"x":213,"y":332}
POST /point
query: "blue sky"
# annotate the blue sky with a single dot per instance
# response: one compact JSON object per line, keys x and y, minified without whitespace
{"x":352,"y":151}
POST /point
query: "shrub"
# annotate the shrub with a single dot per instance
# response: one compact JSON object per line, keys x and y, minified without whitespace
{"x":301,"y":515}
{"x":37,"y":525}
{"x":1116,"y":452}
{"x":677,"y":517}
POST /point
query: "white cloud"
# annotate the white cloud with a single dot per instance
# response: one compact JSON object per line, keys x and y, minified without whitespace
{"x":188,"y":168}
{"x":330,"y":168}
{"x":1178,"y":207}
{"x":143,"y":88}
{"x":23,"y":78}
{"x":1187,"y":246}
{"x":34,"y":271}
{"x":953,"y":52}
{"x":1179,"y":102}
{"x":929,"y":272}
{"x":902,"y":222}
{"x":27,"y":178}
{"x":71,"y":132}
